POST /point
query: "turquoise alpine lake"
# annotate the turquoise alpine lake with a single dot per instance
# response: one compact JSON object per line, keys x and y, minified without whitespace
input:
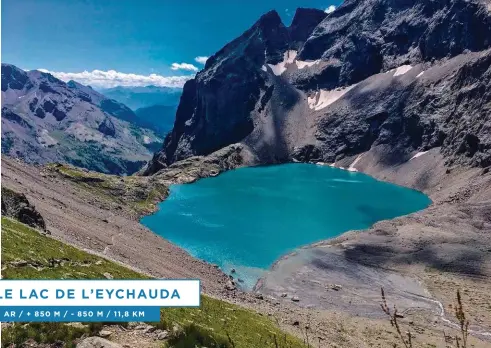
{"x":245,"y":219}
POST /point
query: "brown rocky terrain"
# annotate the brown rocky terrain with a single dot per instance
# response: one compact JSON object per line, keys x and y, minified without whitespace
{"x":99,"y":224}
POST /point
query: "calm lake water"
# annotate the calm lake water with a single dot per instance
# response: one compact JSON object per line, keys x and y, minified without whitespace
{"x":247,"y":218}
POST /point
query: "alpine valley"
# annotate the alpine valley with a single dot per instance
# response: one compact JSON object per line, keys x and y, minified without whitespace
{"x":396,"y":89}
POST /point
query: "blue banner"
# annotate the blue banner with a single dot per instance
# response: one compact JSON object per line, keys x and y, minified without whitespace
{"x":78,"y":314}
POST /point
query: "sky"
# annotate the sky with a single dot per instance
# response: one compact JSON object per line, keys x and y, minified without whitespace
{"x":129,"y":42}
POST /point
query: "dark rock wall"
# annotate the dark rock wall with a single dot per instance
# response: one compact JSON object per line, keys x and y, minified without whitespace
{"x":238,"y":98}
{"x":16,"y":206}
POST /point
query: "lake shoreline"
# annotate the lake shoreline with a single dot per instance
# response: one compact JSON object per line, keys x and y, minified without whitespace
{"x":458,"y":196}
{"x":93,"y":224}
{"x":394,"y":247}
{"x":220,"y":219}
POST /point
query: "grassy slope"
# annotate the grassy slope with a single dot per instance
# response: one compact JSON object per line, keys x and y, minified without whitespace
{"x":212,"y":322}
{"x":140,"y":194}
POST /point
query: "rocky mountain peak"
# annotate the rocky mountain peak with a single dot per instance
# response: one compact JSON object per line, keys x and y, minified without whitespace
{"x":265,"y":41}
{"x":268,"y":21}
{"x":13,"y":77}
{"x":332,"y":86}
{"x":304,"y":22}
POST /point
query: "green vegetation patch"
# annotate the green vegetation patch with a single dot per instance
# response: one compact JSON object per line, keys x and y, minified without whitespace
{"x":28,"y":254}
{"x":237,"y":326}
{"x":141,"y":194}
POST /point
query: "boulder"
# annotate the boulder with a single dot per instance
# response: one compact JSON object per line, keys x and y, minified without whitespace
{"x":150,"y":329}
{"x":230,"y":285}
{"x":105,"y":333}
{"x":97,"y":342}
{"x":336,"y":287}
{"x":16,"y":205}
{"x":163,"y":335}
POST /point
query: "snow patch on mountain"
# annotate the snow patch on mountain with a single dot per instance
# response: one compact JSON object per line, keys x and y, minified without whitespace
{"x":288,"y":58}
{"x":323,"y":98}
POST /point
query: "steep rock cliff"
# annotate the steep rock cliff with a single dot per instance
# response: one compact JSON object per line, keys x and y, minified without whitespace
{"x":410,"y":74}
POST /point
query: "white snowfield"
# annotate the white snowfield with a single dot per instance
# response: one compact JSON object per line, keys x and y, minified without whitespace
{"x":400,"y":70}
{"x":323,"y":98}
{"x":302,"y":64}
{"x":418,"y":155}
{"x":288,"y":58}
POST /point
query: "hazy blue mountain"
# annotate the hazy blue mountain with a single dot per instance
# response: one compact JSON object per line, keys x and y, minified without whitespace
{"x":159,"y":118}
{"x":141,"y":97}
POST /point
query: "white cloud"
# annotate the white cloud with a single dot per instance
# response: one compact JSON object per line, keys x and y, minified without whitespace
{"x":330,"y":9}
{"x":201,"y":59}
{"x":112,"y":78}
{"x":184,"y":66}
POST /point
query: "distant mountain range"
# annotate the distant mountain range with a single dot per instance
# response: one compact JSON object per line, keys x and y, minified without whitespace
{"x":159,"y":118}
{"x":141,"y":97}
{"x":47,"y":120}
{"x":155,"y":107}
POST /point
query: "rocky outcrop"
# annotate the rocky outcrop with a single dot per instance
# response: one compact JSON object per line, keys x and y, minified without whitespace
{"x":197,"y":167}
{"x":107,"y":127}
{"x":16,"y":206}
{"x":303,"y":23}
{"x":362,"y":38}
{"x":410,"y":75}
{"x":47,"y":120}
